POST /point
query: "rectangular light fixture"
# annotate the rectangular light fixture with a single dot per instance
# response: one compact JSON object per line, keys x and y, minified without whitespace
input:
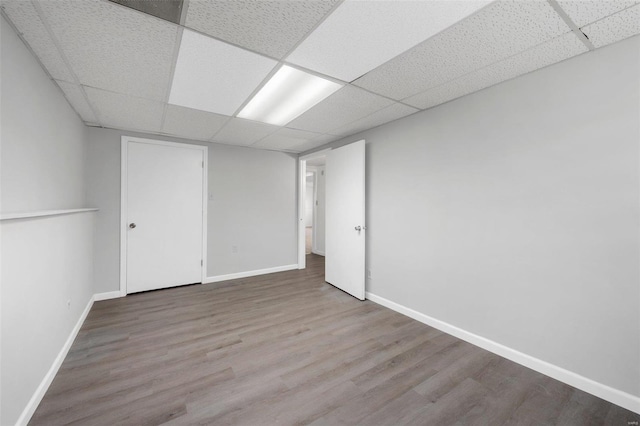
{"x":289,"y":93}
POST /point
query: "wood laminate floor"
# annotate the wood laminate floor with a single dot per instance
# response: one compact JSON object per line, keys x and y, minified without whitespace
{"x":286,"y":349}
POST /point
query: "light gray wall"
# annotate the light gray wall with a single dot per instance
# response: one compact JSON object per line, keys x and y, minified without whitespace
{"x":252,"y":206}
{"x":46,"y":261}
{"x":308,"y":210}
{"x":513,"y":213}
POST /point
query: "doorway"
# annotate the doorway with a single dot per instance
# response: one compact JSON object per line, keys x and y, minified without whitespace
{"x":309,"y":205}
{"x":339,"y":235}
{"x":163,"y":214}
{"x":315,"y":206}
{"x":312,"y":207}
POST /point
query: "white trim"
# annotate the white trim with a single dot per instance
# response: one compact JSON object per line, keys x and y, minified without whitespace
{"x":318,"y":252}
{"x":314,"y":207}
{"x":302,"y":192}
{"x":43,"y":213}
{"x":37,"y":396}
{"x":108,"y":295}
{"x":315,"y":154}
{"x":615,"y":396}
{"x":125,"y":140}
{"x":246,"y":274}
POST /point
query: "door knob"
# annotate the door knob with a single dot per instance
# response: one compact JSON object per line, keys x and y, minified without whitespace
{"x":358,"y":228}
{"x":132,"y":225}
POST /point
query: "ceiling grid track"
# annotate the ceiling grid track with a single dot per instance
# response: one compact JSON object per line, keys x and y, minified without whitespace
{"x":174,"y":61}
{"x":55,"y":41}
{"x":460,"y":77}
{"x":574,"y":28}
{"x":210,"y":85}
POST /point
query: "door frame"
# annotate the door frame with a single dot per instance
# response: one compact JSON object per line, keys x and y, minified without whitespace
{"x":314,"y":208}
{"x":302,"y":192}
{"x":125,"y":140}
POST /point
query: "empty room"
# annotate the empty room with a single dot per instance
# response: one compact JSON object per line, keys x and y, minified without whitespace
{"x":323,"y":212}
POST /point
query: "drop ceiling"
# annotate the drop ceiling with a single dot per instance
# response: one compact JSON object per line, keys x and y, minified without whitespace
{"x":186,"y":68}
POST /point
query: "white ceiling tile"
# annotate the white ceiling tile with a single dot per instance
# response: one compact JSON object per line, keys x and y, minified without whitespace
{"x":502,"y":29}
{"x":126,"y":112}
{"x":113,"y":47}
{"x":390,"y":113}
{"x":192,"y":123}
{"x":25,"y":18}
{"x":286,"y":140}
{"x":615,"y":27}
{"x":317,"y":142}
{"x":269,"y":27}
{"x":345,"y":106}
{"x":548,"y":53}
{"x":215,"y":76}
{"x":76,"y":98}
{"x":361,"y":35}
{"x":583,"y":12}
{"x":238,"y":131}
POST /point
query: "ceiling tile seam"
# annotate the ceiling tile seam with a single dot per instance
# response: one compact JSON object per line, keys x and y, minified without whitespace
{"x":381,"y":124}
{"x":608,"y":16}
{"x":191,"y":29}
{"x":212,"y":139}
{"x":174,"y":63}
{"x":183,"y":12}
{"x":480,"y":69}
{"x":266,"y":136}
{"x":366,"y":116}
{"x":56,"y":43}
{"x":400,"y":101}
{"x":122,"y":94}
{"x":342,"y":82}
{"x":73,"y":107}
{"x":174,"y":135}
{"x":46,"y":71}
{"x":27,"y":45}
{"x":226,"y":120}
{"x":132,"y":10}
{"x":315,"y":27}
{"x":504,"y":81}
{"x":427,"y":39}
{"x":279,"y":61}
{"x":574,"y":28}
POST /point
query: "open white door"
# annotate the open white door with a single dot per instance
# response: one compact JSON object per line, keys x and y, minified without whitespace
{"x":344,"y":219}
{"x":162,"y":214}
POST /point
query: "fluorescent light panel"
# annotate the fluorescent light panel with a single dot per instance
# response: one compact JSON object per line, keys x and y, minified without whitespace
{"x":289,"y":93}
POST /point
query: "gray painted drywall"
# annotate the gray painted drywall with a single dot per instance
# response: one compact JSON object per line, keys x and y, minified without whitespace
{"x":46,"y":261}
{"x":308,"y":203}
{"x":513,"y":213}
{"x":252,"y":206}
{"x":48,"y":174}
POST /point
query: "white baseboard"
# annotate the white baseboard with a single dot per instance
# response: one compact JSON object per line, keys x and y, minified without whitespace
{"x":53,"y":370}
{"x":107,"y":295}
{"x":246,"y":274}
{"x":615,"y":396}
{"x":318,"y":252}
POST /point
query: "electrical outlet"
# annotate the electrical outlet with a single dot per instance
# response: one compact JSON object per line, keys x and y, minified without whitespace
{"x":369,"y":273}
